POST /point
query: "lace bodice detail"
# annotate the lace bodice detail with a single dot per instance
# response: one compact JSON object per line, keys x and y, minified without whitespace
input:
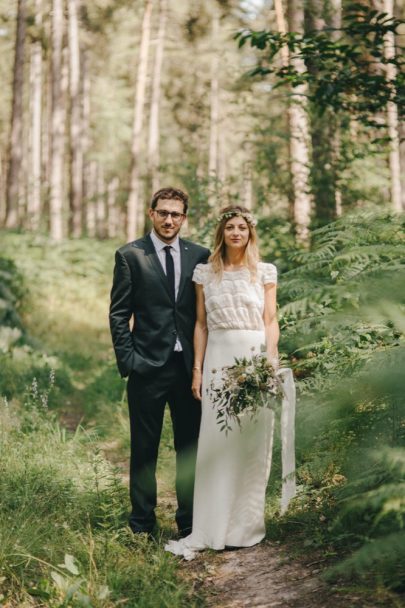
{"x":234,"y":302}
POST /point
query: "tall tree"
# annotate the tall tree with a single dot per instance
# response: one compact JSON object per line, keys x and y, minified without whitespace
{"x":35,"y":161}
{"x":16,"y":135}
{"x":392,"y":117}
{"x":85,"y":91}
{"x":76,"y":150}
{"x":214,"y":111}
{"x":325,"y":132}
{"x":298,"y":124}
{"x":2,"y":190}
{"x":134,"y":209}
{"x":113,"y":222}
{"x":335,"y":22}
{"x":57,"y":125}
{"x":91,"y":193}
{"x":154,"y":132}
{"x":101,"y":211}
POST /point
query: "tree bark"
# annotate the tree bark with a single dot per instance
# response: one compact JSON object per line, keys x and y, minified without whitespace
{"x":325,"y":131}
{"x":101,"y":211}
{"x":392,"y":118}
{"x":134,"y":209}
{"x":16,"y":136}
{"x":335,"y":21}
{"x":76,"y":152}
{"x":23,"y":184}
{"x":247,"y":175}
{"x":153,"y":144}
{"x":2,"y":189}
{"x":214,"y":114}
{"x":299,"y":127}
{"x":91,"y":215}
{"x":34,"y":190}
{"x":57,"y":125}
{"x":113,"y":211}
{"x":85,"y":135}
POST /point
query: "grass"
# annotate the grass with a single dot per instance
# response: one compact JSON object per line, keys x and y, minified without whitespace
{"x":64,"y":539}
{"x":63,"y":527}
{"x":64,"y":505}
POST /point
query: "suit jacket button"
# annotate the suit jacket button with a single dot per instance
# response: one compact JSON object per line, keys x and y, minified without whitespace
{"x":174,"y":332}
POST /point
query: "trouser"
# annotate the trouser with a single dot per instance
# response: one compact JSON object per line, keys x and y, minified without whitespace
{"x":147,"y":398}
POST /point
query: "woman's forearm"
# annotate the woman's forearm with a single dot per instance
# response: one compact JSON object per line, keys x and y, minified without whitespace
{"x":272,"y":333}
{"x":200,"y":344}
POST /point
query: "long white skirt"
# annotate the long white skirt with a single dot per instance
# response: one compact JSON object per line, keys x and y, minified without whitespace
{"x":232,"y":470}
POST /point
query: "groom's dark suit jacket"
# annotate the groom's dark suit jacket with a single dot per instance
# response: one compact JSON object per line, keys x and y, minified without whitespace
{"x":140,"y":288}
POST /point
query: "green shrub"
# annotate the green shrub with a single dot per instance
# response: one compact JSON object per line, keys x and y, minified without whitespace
{"x":342,"y":328}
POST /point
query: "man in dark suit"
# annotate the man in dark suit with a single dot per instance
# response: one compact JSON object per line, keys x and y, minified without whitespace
{"x":152,"y":285}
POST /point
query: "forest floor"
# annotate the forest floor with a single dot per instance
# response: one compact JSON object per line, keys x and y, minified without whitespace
{"x":70,"y":290}
{"x":272,"y":574}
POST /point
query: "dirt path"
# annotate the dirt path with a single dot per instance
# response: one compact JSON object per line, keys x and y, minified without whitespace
{"x":265,"y":577}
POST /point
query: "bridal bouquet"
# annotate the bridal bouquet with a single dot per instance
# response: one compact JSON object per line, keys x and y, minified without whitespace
{"x":243,"y":388}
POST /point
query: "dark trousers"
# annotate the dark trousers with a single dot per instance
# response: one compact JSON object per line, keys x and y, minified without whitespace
{"x":147,"y":397}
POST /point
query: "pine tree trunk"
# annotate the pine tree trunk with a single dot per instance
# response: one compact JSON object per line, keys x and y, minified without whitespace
{"x":46,"y":136}
{"x":76,"y":152}
{"x":16,"y":136}
{"x":247,"y":173}
{"x":85,"y":96}
{"x":402,"y":160}
{"x":101,"y":211}
{"x":34,"y":190}
{"x":23,"y":184}
{"x":91,"y":216}
{"x":134,"y":209}
{"x":57,"y":125}
{"x":392,"y":118}
{"x":299,"y":128}
{"x":2,"y":189}
{"x":214,"y":114}
{"x":325,"y":132}
{"x":153,"y":145}
{"x":113,"y":211}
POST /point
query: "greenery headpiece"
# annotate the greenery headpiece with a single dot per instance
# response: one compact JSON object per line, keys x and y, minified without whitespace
{"x":236,"y":213}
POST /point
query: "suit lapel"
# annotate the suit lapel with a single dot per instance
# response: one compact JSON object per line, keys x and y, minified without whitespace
{"x":185,"y":264}
{"x":153,"y":258}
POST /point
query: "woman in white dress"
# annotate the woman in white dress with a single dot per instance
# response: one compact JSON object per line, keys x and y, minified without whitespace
{"x":236,"y":314}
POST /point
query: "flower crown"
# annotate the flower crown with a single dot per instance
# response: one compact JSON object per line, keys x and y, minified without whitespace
{"x":236,"y":213}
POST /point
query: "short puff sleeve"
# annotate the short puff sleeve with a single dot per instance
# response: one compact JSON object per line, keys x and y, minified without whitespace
{"x":269,"y":273}
{"x":199,"y":274}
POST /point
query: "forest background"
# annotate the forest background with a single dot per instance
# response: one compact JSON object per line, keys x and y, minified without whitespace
{"x":292,"y":109}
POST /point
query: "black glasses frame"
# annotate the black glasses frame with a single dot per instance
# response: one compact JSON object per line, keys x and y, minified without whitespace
{"x":175,"y":215}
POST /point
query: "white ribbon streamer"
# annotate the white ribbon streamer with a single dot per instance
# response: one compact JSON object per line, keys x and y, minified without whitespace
{"x":289,"y":489}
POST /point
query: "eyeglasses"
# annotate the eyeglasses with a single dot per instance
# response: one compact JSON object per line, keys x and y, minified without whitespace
{"x":163,"y":214}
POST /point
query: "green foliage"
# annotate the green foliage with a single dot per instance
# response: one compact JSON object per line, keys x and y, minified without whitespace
{"x":341,"y":72}
{"x":243,"y":389}
{"x":63,"y":534}
{"x":342,"y":326}
{"x":327,"y":302}
{"x":11,"y":300}
{"x":64,"y":315}
{"x":277,"y":241}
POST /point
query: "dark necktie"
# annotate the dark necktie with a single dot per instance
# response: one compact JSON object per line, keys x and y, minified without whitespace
{"x":170,"y":270}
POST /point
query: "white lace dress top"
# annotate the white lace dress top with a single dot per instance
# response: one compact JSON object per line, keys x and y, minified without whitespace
{"x":234,"y":301}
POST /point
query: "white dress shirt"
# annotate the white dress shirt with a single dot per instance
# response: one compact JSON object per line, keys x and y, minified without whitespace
{"x":159,"y":246}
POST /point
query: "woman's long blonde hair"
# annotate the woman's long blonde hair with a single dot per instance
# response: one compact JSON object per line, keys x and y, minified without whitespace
{"x":251,"y":254}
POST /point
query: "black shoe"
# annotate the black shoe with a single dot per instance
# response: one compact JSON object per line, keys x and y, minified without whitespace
{"x":183,"y":532}
{"x":140,"y":531}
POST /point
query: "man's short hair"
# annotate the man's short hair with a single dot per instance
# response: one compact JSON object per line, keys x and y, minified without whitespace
{"x":170,"y":193}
